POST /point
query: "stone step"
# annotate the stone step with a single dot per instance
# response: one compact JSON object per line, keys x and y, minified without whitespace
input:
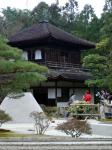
{"x":56,"y":148}
{"x":53,"y":139}
{"x":56,"y":145}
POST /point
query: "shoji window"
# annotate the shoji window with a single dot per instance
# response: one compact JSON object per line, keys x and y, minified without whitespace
{"x":25,"y":55}
{"x":38,"y":54}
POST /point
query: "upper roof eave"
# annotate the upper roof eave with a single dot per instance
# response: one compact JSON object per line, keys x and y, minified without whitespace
{"x":44,"y":30}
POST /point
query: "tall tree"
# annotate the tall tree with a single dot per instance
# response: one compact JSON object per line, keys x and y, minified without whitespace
{"x":71,"y":9}
{"x":14,"y":20}
{"x":2,"y":23}
{"x":99,"y":65}
{"x":17,"y":74}
{"x":100,"y":62}
{"x":37,"y":12}
{"x":106,"y":19}
{"x":108,"y":6}
{"x":87,"y":24}
{"x":54,"y":14}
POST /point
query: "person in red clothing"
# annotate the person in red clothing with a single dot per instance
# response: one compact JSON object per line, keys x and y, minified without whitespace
{"x":87,"y":97}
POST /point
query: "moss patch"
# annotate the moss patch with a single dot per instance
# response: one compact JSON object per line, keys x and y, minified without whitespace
{"x":8,"y":133}
{"x":106,"y":120}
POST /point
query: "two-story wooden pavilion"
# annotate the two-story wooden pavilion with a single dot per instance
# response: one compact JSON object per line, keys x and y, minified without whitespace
{"x":60,"y":51}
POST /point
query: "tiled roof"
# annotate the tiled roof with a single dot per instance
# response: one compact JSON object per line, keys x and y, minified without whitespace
{"x":45,"y":30}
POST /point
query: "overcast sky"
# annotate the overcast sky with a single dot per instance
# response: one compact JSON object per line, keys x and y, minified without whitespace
{"x":30,"y":4}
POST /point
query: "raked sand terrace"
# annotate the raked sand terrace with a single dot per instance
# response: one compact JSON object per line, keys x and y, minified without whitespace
{"x":99,"y":130}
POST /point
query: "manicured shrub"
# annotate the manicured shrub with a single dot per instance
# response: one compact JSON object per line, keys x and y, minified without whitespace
{"x":50,"y":111}
{"x":75,"y":127}
{"x":41,"y":122}
{"x":4,"y":117}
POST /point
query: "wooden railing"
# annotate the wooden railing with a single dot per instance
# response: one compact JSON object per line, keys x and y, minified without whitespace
{"x":61,"y":65}
{"x":79,"y":109}
{"x":54,"y":64}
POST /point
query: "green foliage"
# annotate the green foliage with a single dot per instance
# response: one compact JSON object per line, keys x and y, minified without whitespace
{"x":20,"y":66}
{"x":4,"y":117}
{"x":67,"y":17}
{"x":87,"y":24}
{"x":38,"y":12}
{"x":70,"y":8}
{"x":96,"y":83}
{"x":100,"y":61}
{"x":17,"y":74}
{"x":14,"y":20}
{"x":108,"y":6}
{"x":7,"y":51}
{"x":50,"y":111}
{"x":9,"y":134}
{"x":25,"y":81}
{"x":83,"y":108}
{"x":97,"y":65}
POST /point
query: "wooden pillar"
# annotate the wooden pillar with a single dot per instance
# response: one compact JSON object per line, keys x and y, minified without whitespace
{"x":56,"y":92}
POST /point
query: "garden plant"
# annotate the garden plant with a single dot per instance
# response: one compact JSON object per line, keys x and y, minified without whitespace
{"x":75,"y":127}
{"x":4,"y":117}
{"x":41,"y":122}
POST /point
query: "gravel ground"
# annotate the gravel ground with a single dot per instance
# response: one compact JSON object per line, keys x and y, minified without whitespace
{"x":100,"y":130}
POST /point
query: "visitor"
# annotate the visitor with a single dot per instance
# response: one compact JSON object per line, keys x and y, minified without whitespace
{"x":72,"y":98}
{"x":102,"y":110}
{"x":87,"y":97}
{"x":104,"y":94}
{"x":110,"y":98}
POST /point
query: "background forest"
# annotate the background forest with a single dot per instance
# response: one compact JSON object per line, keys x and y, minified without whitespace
{"x":84,"y":24}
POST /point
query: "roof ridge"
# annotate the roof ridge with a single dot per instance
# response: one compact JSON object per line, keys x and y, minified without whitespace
{"x":48,"y":28}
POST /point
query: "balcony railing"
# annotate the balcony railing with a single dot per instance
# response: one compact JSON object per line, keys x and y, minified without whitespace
{"x":52,"y":64}
{"x":62,"y":65}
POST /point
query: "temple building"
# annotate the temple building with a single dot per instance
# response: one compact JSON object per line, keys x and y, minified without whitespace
{"x":60,"y":51}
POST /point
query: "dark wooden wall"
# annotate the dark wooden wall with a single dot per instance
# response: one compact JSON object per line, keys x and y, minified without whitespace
{"x":51,"y":55}
{"x":62,"y":56}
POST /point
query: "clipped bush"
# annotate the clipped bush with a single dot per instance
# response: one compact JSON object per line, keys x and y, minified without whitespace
{"x":75,"y":127}
{"x":4,"y":117}
{"x":50,"y":111}
{"x":41,"y":122}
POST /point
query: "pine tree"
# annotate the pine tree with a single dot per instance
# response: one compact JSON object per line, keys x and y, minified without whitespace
{"x":17,"y":74}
